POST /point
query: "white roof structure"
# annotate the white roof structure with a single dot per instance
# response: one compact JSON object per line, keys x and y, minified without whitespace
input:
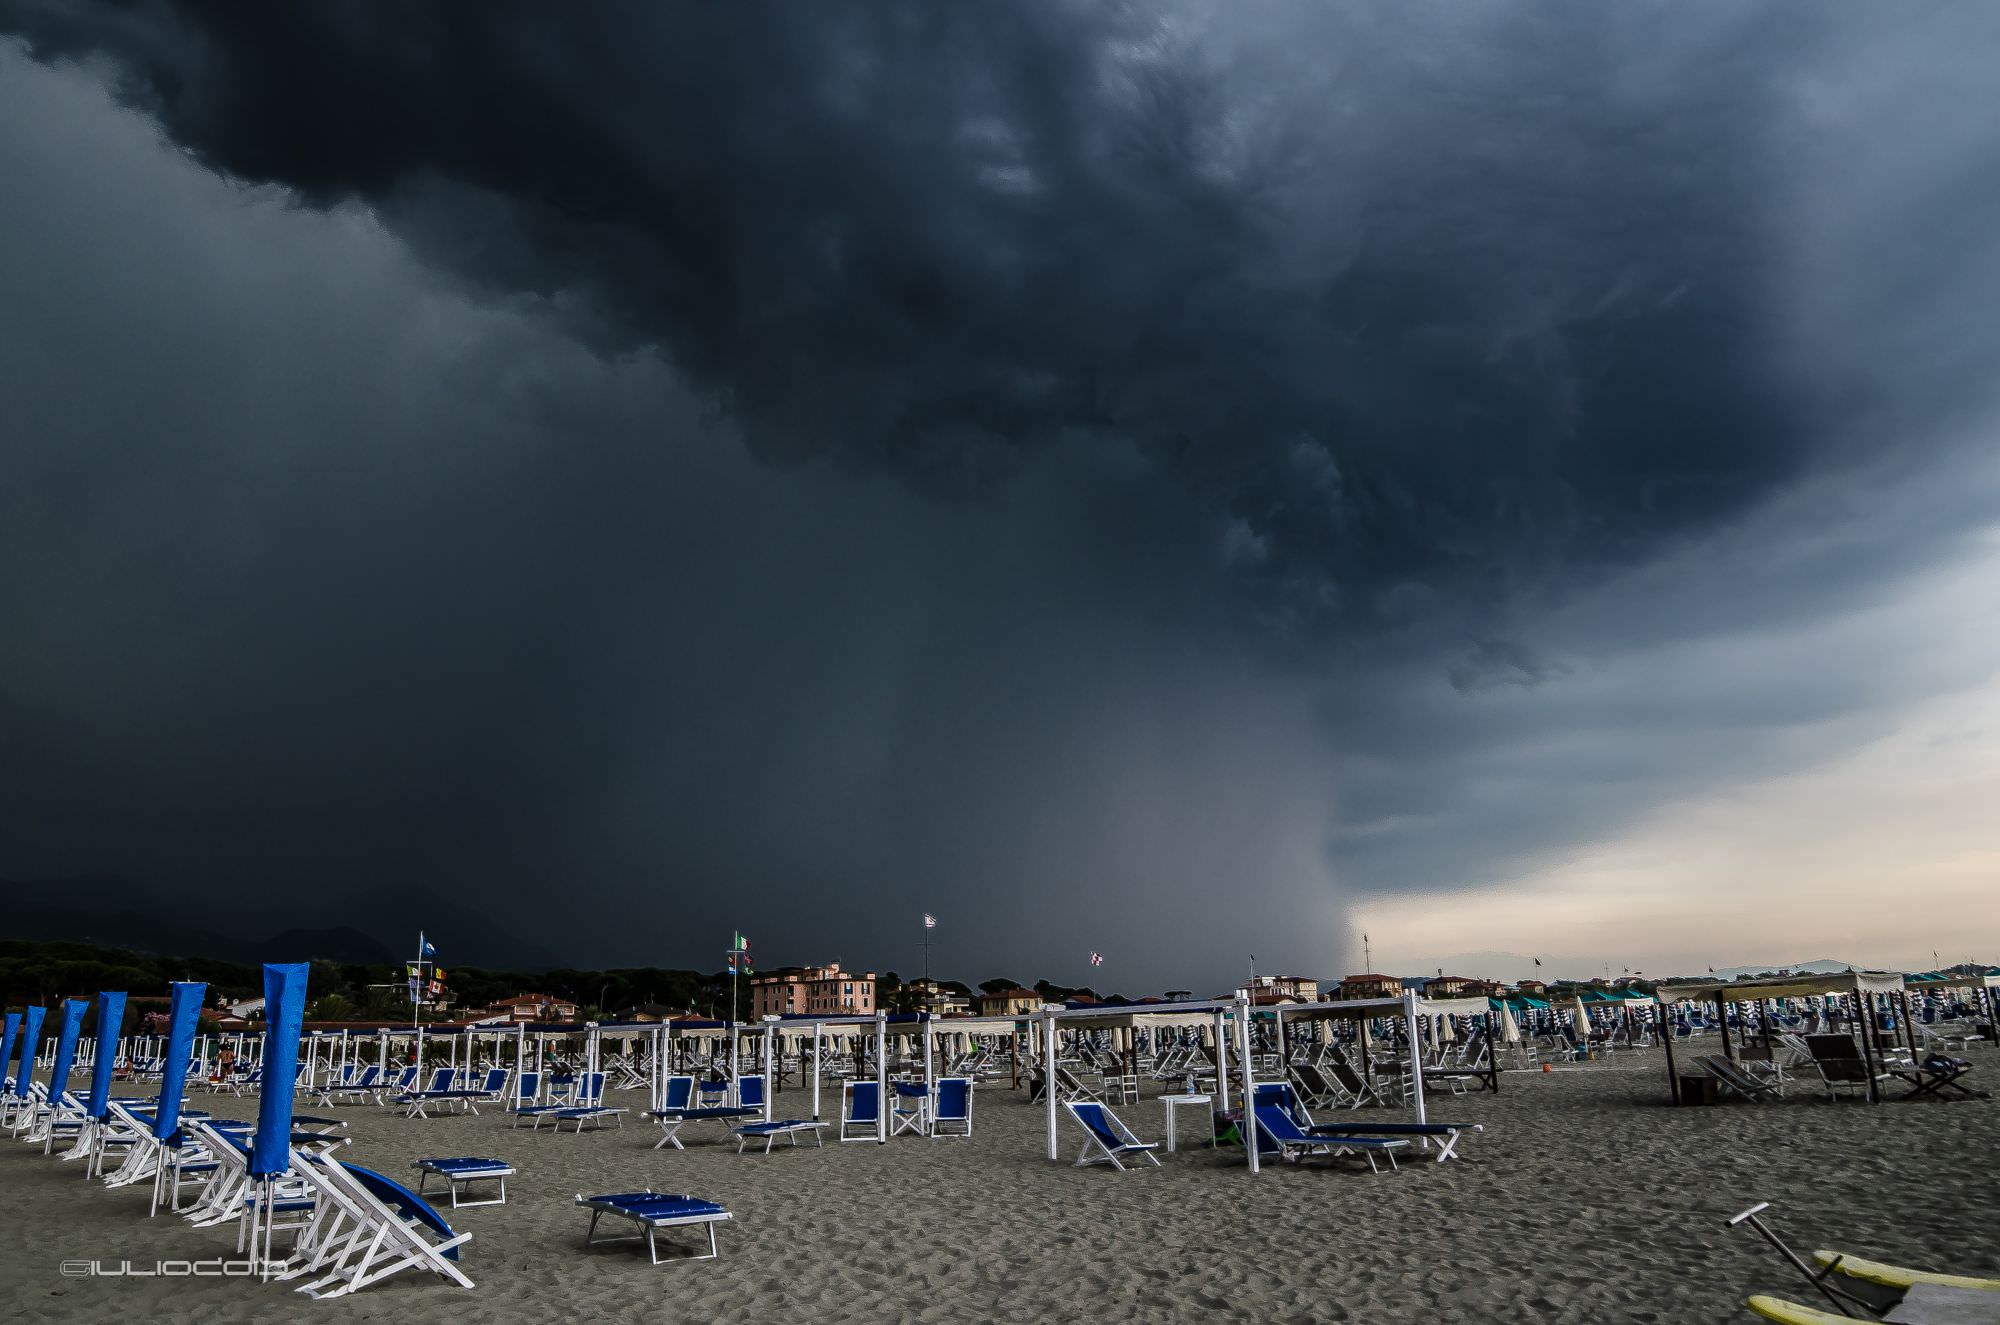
{"x":1785,"y":986}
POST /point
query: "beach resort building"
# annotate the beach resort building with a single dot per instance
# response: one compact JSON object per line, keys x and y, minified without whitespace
{"x":1369,"y":986}
{"x":933,"y":996}
{"x":1283,"y":989}
{"x":532,"y":1008}
{"x":820,"y":991}
{"x":1016,"y":1002}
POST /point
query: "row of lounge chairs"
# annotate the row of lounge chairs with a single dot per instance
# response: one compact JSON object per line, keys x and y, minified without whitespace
{"x":1282,"y":1124}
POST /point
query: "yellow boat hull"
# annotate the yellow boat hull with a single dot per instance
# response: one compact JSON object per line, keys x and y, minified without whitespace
{"x":1897,"y":1276}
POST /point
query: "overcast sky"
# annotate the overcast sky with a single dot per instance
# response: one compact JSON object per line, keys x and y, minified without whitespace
{"x":1194,"y":482}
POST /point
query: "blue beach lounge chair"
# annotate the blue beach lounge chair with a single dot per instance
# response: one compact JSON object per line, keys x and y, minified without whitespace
{"x":459,"y":1174}
{"x":1294,"y":1143}
{"x":372,"y":1227}
{"x":860,"y":1110}
{"x":952,"y":1115}
{"x":650,"y":1212}
{"x":1107,"y":1140}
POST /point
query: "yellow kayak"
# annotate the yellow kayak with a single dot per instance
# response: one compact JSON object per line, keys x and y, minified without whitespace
{"x":1897,"y":1276}
{"x":1791,"y":1313}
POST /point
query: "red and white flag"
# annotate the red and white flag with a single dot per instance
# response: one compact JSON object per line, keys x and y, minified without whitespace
{"x":930,"y":921}
{"x":1097,"y":959}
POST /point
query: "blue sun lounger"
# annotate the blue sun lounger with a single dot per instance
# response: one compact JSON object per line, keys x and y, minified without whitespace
{"x":651,"y":1212}
{"x":586,"y":1105}
{"x":793,"y":1128}
{"x":439,"y":1089}
{"x":459,"y":1174}
{"x":1295,"y":1143}
{"x":492,"y":1089}
{"x":1446,"y":1135}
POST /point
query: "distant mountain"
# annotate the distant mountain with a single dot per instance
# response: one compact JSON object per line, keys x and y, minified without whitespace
{"x":373,"y":926}
{"x":342,"y":943}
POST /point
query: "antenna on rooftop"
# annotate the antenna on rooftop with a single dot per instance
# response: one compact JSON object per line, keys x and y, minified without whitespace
{"x":1367,"y":962}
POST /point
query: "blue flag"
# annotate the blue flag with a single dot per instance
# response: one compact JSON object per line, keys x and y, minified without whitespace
{"x":31,"y":1032}
{"x":284,"y":1015}
{"x":72,"y":1023}
{"x":110,"y":1016}
{"x":181,"y":1018}
{"x":7,"y":1038}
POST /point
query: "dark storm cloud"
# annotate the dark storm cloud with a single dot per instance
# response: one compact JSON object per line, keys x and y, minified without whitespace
{"x":1294,"y":427}
{"x":1447,"y":300}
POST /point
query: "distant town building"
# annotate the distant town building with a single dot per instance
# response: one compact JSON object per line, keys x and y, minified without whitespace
{"x":927,"y":995}
{"x":1016,"y":1002}
{"x":814,"y":991}
{"x":1369,"y":986}
{"x":1533,"y":988}
{"x":533,"y":1007}
{"x":1267,"y":989}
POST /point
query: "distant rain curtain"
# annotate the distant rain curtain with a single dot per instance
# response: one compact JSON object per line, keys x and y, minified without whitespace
{"x":31,"y":1032}
{"x":181,"y":1018}
{"x":110,"y":1016}
{"x":284,"y":1016}
{"x":11,"y":1033}
{"x":72,"y":1025}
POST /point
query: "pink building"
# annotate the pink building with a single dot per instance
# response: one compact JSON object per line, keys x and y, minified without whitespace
{"x":817,"y":991}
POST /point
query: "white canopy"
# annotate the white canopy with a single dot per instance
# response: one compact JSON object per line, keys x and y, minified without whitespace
{"x":1785,"y":986}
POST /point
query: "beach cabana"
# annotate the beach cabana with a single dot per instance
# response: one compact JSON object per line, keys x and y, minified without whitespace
{"x":1865,"y":987}
{"x":1231,"y":1022}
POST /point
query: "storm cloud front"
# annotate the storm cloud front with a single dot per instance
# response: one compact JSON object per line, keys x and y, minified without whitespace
{"x":1174,"y":480}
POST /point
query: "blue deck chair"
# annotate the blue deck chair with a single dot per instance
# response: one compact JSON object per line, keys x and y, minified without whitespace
{"x":750,"y":1092}
{"x":403,"y":1082}
{"x":587,"y":1107}
{"x":673,"y":1111}
{"x":953,"y":1114}
{"x":492,"y":1089}
{"x":442,"y":1087}
{"x":913,"y":1108}
{"x":1443,"y":1137}
{"x":1295,"y":1143}
{"x":679,"y":1097}
{"x":1107,"y":1140}
{"x":357,"y":1087}
{"x":583,"y":1100}
{"x":860,"y":1107}
{"x":377,"y":1227}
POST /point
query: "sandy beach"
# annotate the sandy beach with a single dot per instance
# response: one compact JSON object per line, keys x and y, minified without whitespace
{"x":1585,"y":1199}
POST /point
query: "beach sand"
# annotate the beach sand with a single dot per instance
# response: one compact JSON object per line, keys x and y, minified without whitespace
{"x":1584,"y":1200}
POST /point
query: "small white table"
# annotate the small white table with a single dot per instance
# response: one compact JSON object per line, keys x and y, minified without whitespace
{"x":1171,"y":1103}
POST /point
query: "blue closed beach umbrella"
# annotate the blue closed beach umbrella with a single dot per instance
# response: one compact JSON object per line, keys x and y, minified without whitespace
{"x":181,"y":1019}
{"x":72,"y":1023}
{"x":284,"y":1015}
{"x":110,"y":1016}
{"x":31,"y":1034}
{"x":9,"y":1033}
